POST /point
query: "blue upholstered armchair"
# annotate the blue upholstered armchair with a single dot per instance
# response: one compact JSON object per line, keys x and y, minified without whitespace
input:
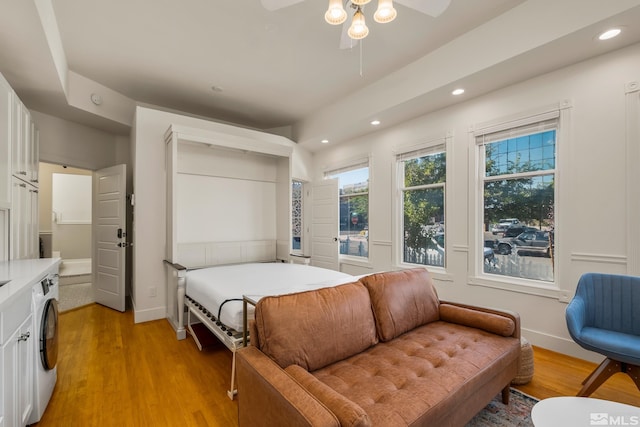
{"x":604,"y":316}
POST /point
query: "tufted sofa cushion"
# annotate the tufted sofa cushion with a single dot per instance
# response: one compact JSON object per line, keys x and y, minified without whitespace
{"x":422,"y":375}
{"x":316,"y":328}
{"x":402,"y":300}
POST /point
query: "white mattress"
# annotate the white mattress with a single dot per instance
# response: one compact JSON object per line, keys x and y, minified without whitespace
{"x":212,"y":286}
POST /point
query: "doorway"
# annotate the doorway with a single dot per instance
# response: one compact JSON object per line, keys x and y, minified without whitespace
{"x":65,"y":229}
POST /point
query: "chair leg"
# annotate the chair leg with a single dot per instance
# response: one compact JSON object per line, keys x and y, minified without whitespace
{"x":634,"y":372}
{"x":606,"y":369}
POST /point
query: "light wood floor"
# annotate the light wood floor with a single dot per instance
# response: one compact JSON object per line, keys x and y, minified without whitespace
{"x":112,"y":372}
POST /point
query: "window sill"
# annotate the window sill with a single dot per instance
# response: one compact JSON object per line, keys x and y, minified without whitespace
{"x":437,"y":273}
{"x":521,"y":286}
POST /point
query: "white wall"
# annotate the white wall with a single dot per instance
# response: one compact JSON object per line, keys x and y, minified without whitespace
{"x":68,"y":143}
{"x":592,"y":223}
{"x":149,"y":181}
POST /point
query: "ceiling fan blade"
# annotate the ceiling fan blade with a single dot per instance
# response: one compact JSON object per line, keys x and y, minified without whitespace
{"x":347,"y":42}
{"x":272,"y":5}
{"x":428,"y":7}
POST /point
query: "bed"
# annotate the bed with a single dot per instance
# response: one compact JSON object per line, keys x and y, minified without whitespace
{"x":213,"y":296}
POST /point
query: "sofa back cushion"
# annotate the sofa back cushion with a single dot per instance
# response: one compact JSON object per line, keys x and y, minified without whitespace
{"x":316,"y":328}
{"x":402,"y":301}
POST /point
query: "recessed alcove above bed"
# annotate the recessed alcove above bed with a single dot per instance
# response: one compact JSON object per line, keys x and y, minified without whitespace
{"x":228,"y":201}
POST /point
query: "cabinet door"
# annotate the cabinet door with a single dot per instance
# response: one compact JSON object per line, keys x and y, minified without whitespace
{"x":4,"y":381}
{"x":24,"y":368}
{"x":31,"y":228}
{"x":6,"y":107}
{"x":16,"y":219}
{"x":23,"y":221}
{"x":25,"y":166}
{"x":34,"y":155}
{"x":17,"y":378}
{"x":17,"y":151}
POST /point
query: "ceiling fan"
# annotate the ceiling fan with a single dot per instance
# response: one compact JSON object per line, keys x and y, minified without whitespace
{"x":357,"y":29}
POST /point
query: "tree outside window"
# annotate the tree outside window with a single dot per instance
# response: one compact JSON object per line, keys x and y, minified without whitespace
{"x":423,"y":200}
{"x":519,"y":184}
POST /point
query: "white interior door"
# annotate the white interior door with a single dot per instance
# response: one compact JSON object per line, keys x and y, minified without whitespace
{"x":109,"y":236}
{"x":324,"y":225}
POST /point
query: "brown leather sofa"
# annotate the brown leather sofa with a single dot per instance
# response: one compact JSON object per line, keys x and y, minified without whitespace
{"x":382,"y":351}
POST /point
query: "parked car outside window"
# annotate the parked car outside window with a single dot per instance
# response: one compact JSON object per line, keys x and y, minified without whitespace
{"x":503,"y":224}
{"x":528,"y":243}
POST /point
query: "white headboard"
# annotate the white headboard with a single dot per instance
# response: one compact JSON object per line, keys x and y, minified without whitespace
{"x":207,"y":254}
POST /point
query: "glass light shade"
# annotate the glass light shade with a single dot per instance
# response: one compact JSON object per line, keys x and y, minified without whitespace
{"x":385,"y":12}
{"x":358,"y":29}
{"x":360,"y":2}
{"x":335,"y":14}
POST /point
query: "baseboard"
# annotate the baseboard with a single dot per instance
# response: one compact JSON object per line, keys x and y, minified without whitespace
{"x":149,"y":314}
{"x":75,"y":279}
{"x":560,"y":345}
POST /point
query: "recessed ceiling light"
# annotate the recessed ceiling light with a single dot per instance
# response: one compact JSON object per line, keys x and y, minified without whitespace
{"x":609,"y":34}
{"x":458,"y":91}
{"x":375,"y":122}
{"x":325,"y":141}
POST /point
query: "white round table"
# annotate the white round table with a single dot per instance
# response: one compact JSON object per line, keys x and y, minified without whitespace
{"x":583,"y":412}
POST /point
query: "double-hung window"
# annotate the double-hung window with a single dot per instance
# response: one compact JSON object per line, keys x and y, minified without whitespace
{"x":422,"y":178}
{"x":518,"y":176}
{"x":353,"y":186}
{"x":296,"y":217}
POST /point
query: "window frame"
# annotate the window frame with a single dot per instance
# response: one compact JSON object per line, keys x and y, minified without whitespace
{"x":434,"y":143}
{"x":561,"y":112}
{"x":347,"y":166}
{"x":401,"y":158}
{"x":301,"y":250}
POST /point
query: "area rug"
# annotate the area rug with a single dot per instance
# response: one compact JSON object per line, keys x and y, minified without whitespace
{"x":516,"y":414}
{"x":75,"y":296}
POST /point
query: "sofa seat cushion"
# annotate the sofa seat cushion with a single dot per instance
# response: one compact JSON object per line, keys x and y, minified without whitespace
{"x":402,"y":300}
{"x":423,"y":374}
{"x":316,"y":328}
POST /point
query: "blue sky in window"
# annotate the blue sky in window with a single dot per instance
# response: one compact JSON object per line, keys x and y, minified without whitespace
{"x":355,"y":176}
{"x":538,"y":150}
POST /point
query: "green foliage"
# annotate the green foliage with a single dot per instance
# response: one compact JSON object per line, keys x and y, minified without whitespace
{"x":531,"y":200}
{"x":423,"y":207}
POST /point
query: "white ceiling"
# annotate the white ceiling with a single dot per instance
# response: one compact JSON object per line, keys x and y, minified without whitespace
{"x":283,"y":69}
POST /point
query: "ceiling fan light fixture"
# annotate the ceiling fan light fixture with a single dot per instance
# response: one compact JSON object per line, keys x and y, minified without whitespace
{"x":360,"y":2}
{"x":358,"y":29}
{"x":385,"y":12}
{"x":335,"y":14}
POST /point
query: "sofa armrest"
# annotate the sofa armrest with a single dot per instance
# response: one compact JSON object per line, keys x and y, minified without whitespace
{"x":500,"y":322}
{"x":349,"y":413}
{"x":268,"y":396}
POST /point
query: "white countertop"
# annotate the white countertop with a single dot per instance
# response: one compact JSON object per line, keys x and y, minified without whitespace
{"x":22,"y":273}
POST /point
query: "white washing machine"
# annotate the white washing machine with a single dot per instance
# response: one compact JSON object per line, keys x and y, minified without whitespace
{"x":45,"y":327}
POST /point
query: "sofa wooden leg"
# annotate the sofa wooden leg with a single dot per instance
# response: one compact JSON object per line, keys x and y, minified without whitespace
{"x":506,"y":392}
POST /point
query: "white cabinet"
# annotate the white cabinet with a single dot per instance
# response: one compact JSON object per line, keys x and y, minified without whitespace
{"x":16,"y":363}
{"x":24,"y":220}
{"x":19,"y":159}
{"x":6,"y":108}
{"x":24,"y":144}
